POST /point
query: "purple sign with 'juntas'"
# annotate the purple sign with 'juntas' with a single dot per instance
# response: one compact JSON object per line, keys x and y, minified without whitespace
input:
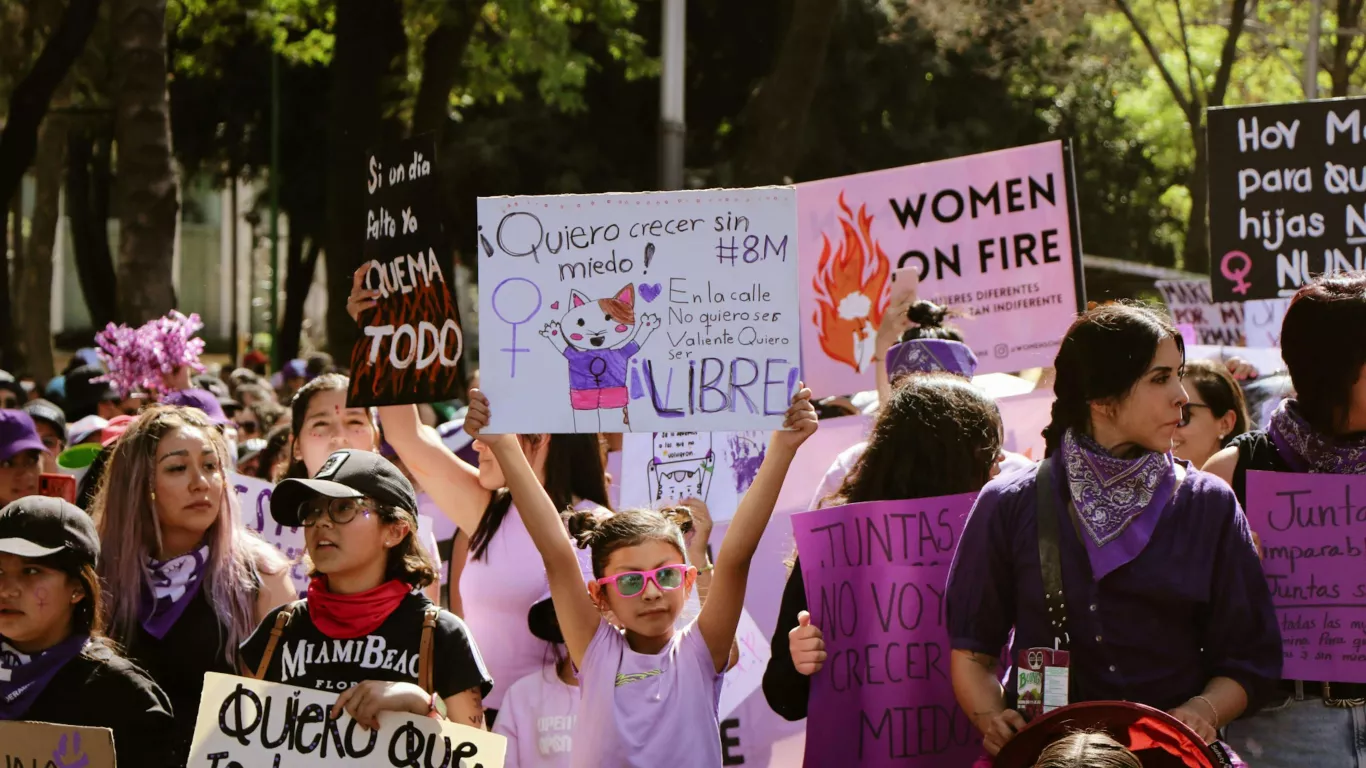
{"x":1313,"y":537}
{"x":875,"y":575}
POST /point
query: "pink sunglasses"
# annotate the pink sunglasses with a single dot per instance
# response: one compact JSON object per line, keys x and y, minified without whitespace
{"x":632,"y":583}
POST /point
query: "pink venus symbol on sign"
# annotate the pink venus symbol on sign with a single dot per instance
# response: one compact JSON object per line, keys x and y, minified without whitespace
{"x":1236,"y":275}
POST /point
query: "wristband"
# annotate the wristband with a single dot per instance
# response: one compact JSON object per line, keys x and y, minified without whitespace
{"x":708,"y":569}
{"x":438,"y":707}
{"x":1215,"y":721}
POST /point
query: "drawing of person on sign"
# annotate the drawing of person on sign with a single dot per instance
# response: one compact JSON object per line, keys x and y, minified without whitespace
{"x":599,"y":338}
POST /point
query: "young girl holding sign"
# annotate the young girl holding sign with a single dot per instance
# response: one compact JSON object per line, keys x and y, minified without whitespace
{"x":650,"y":693}
{"x":363,"y":631}
{"x":937,"y":435}
{"x":185,"y":580}
{"x":1322,"y":430}
{"x":55,"y":665}
{"x":1156,"y":588}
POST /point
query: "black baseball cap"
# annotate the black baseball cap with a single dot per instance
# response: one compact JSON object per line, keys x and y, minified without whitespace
{"x":46,"y":526}
{"x":45,"y":411}
{"x":347,"y":474}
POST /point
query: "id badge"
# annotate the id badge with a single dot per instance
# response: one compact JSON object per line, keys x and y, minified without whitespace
{"x":1041,"y":680}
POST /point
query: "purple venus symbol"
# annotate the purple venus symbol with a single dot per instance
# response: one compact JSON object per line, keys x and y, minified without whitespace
{"x":521,"y":299}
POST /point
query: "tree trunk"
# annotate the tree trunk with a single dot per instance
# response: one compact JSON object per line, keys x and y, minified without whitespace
{"x":303,"y":262}
{"x":35,"y":285}
{"x":88,"y":180}
{"x":368,"y":67}
{"x":775,"y":118}
{"x":442,"y":53}
{"x":9,"y":346}
{"x":146,"y":188}
{"x":1197,"y":256}
{"x":29,"y":101}
{"x":1349,"y":17}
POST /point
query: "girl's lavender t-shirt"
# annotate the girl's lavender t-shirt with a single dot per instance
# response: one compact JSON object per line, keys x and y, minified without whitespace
{"x":648,"y":710}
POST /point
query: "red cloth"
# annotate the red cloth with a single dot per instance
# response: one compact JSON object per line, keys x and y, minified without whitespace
{"x":342,"y":617}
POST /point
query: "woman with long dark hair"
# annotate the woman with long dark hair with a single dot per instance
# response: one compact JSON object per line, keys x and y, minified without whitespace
{"x":936,"y":436}
{"x":1321,"y":430}
{"x":185,"y":581}
{"x":1157,"y":591}
{"x":55,"y":664}
{"x":504,"y":575}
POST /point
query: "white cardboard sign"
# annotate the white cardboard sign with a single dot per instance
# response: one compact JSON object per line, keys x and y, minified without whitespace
{"x":639,"y":312}
{"x":246,"y":723}
{"x":665,"y":468}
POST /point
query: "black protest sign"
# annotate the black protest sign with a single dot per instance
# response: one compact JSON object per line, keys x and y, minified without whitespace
{"x":409,"y":349}
{"x":1287,"y":195}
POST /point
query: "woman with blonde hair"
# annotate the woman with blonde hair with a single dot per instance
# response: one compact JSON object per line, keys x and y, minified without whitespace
{"x":186,"y":582}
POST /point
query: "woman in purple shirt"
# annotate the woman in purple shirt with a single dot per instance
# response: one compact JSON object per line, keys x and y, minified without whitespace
{"x":1164,"y":601}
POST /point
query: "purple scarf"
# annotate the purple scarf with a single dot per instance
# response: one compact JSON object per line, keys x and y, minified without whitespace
{"x":1111,"y":496}
{"x":23,"y":678}
{"x":931,"y":356}
{"x":173,"y":584}
{"x":1307,"y":450}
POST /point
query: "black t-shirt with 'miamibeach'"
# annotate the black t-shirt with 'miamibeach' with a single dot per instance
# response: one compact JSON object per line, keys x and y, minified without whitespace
{"x":307,"y":658}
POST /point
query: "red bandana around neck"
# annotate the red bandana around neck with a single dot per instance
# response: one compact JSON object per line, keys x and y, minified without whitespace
{"x":342,"y":617}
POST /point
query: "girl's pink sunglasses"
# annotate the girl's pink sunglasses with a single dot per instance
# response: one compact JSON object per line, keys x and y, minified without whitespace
{"x":632,"y":583}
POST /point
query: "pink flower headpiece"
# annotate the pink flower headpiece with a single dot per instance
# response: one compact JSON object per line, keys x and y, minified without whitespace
{"x":140,"y":360}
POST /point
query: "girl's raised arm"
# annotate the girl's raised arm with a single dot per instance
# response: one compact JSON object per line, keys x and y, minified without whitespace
{"x":721,"y":613}
{"x":578,"y":616}
{"x":451,"y":482}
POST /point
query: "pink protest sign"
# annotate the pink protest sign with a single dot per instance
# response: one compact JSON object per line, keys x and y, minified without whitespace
{"x":1313,"y":533}
{"x":992,"y":236}
{"x":875,"y":576}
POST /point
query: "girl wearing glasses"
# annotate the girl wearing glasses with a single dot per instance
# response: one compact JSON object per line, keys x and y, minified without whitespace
{"x":502,"y":577}
{"x":649,"y":692}
{"x":365,"y":631}
{"x":186,"y":582}
{"x":1321,"y":430}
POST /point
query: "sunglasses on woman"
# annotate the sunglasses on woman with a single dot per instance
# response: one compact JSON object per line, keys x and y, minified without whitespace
{"x":339,"y":511}
{"x":632,"y":583}
{"x":1186,"y":413}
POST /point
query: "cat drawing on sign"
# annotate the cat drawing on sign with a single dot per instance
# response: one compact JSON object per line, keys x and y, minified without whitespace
{"x":672,"y":482}
{"x":599,"y":338}
{"x":681,"y":467}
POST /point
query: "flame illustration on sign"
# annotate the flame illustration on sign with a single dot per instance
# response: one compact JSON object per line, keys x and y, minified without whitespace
{"x":851,"y":283}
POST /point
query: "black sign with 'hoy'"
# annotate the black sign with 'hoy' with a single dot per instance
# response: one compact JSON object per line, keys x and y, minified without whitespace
{"x":1287,"y":195}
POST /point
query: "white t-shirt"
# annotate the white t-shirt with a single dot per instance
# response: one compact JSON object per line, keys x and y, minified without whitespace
{"x":538,"y":720}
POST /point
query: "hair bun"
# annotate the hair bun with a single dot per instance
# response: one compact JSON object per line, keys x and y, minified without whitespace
{"x":583,"y":525}
{"x":680,"y":516}
{"x":927,"y":314}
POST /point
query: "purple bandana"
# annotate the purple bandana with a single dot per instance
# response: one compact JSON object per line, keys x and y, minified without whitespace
{"x":1306,"y":450}
{"x":174,"y":584}
{"x":1111,"y":495}
{"x":931,"y":356}
{"x":23,"y":678}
